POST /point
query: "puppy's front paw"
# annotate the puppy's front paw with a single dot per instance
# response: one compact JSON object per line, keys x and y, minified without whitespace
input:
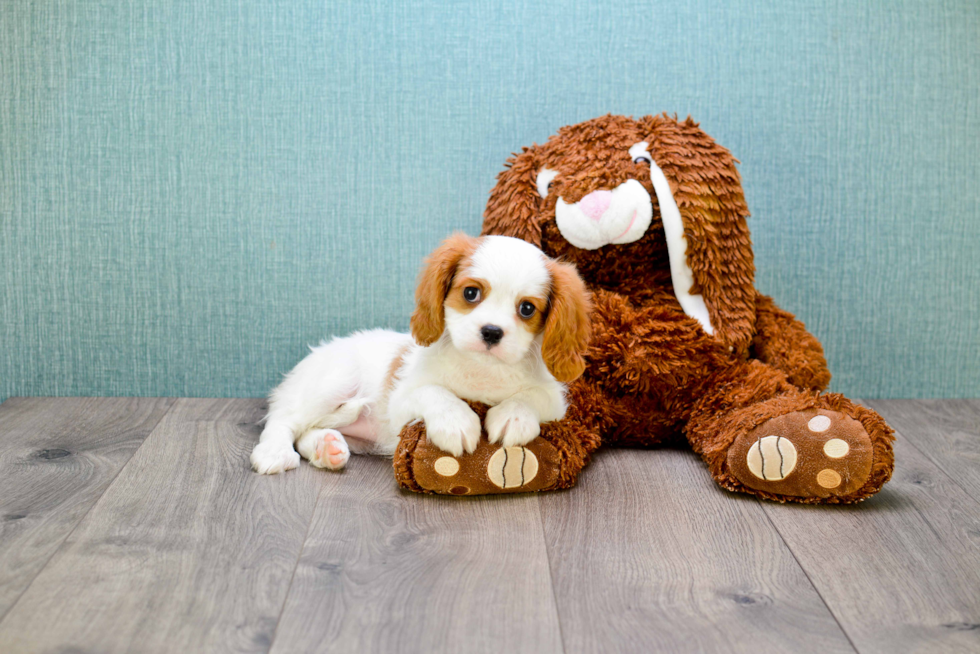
{"x":272,"y":458}
{"x":514,"y":422}
{"x":453,"y":429}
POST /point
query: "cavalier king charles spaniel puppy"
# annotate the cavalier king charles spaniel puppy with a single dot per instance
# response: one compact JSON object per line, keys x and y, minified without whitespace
{"x":496,"y":321}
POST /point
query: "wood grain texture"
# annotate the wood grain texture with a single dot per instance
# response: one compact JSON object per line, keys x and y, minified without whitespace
{"x":384,"y":570}
{"x":57,"y":456}
{"x":947,"y":432}
{"x":188,"y":550}
{"x":647,"y":554}
{"x":901,"y":571}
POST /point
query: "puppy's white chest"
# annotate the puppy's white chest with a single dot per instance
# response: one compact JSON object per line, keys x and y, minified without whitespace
{"x":481,"y":385}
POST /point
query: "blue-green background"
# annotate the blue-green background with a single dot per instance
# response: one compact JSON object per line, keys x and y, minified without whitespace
{"x":191,"y":192}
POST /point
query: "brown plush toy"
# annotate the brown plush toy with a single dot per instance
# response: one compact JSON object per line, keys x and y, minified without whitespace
{"x":652,"y":213}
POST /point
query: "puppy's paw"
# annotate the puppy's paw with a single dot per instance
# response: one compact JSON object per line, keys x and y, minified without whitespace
{"x":453,"y":428}
{"x":512,"y":422}
{"x":272,"y":458}
{"x":324,"y":448}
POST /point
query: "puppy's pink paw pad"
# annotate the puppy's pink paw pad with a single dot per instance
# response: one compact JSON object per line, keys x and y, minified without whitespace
{"x":331,"y":450}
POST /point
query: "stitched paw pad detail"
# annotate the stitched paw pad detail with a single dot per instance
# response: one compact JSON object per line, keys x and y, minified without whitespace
{"x":489,"y":469}
{"x":810,"y":453}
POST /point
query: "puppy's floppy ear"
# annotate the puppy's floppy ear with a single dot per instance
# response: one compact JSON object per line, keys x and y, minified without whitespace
{"x":567,"y":328}
{"x":428,"y":320}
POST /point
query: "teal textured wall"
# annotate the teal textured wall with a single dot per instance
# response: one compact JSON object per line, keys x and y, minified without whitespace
{"x":191,"y":192}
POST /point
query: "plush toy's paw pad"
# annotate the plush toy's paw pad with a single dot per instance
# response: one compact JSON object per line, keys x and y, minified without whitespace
{"x":811,"y":453}
{"x":269,"y":459}
{"x":489,"y":469}
{"x":325,"y":448}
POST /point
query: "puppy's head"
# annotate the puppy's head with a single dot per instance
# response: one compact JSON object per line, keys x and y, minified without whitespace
{"x":498,"y":296}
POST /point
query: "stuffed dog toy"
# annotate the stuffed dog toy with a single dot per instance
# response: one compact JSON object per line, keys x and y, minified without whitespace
{"x":652,"y":213}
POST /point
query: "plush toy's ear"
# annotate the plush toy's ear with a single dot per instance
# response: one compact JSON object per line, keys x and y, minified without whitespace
{"x":707,"y":190}
{"x":514,"y":201}
{"x":428,"y":319}
{"x":567,"y":327}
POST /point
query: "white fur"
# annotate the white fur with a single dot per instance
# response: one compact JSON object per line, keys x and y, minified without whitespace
{"x":334,"y":401}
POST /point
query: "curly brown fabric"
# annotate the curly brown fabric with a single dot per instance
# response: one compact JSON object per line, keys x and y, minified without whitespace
{"x":740,"y":396}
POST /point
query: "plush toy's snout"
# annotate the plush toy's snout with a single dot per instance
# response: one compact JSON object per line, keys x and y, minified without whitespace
{"x":595,"y":204}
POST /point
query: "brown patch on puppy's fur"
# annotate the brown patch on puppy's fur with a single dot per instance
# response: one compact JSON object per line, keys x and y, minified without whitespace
{"x":392,"y":374}
{"x":455,"y":299}
{"x":566,"y":329}
{"x":534,"y":324}
{"x":429,"y":320}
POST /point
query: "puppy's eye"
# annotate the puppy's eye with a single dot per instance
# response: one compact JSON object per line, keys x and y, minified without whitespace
{"x":642,"y":159}
{"x":471,"y":294}
{"x":526,"y":309}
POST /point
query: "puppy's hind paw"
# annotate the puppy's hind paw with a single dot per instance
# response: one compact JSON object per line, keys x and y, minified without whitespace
{"x":325,"y":448}
{"x":272,"y":458}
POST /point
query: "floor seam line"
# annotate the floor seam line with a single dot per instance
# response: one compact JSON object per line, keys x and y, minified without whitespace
{"x":952,"y":480}
{"x":299,"y":557}
{"x":809,"y":579}
{"x":87,"y":511}
{"x":551,"y":574}
{"x":911,"y":443}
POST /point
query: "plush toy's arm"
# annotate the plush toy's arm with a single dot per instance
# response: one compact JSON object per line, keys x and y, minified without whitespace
{"x":783,"y":342}
{"x":638,"y":349}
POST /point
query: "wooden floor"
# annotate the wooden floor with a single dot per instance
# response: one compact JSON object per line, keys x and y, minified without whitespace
{"x":136,"y":525}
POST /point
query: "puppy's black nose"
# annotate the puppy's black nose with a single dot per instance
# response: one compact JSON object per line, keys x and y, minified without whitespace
{"x":491,"y":334}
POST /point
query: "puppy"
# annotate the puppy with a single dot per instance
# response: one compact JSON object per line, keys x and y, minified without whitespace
{"x":496,"y":321}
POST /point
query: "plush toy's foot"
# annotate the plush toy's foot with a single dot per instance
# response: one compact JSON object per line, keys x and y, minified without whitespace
{"x":490,"y":469}
{"x":813,"y":453}
{"x":549,"y":462}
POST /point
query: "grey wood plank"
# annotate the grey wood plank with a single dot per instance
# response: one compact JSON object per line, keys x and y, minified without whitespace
{"x":649,"y":555}
{"x":947,"y":432}
{"x":385,"y":570}
{"x":188,"y":550}
{"x":900,"y":571}
{"x":57,"y":456}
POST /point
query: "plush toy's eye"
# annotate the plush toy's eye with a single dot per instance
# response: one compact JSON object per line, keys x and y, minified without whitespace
{"x":471,"y":294}
{"x":526,"y":309}
{"x":642,"y":159}
{"x":546,"y":179}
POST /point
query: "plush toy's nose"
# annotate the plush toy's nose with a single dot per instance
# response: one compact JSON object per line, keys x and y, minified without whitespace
{"x":595,"y":204}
